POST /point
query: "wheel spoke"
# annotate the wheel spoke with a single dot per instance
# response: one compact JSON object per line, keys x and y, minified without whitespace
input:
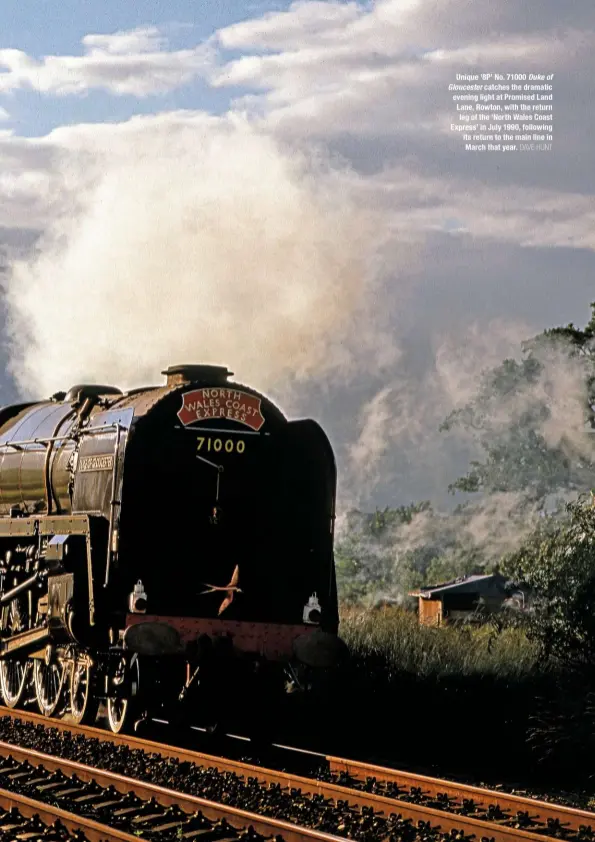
{"x":121,"y":710}
{"x":116,"y":712}
{"x":13,"y":681}
{"x":83,"y":704}
{"x":13,"y":673}
{"x":49,"y":681}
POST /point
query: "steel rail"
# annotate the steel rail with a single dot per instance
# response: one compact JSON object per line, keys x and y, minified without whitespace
{"x":543,"y":811}
{"x":166,"y":797}
{"x":94,"y":831}
{"x":539,"y":811}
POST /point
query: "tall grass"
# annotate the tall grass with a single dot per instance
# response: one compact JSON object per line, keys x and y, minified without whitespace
{"x":442,"y":700}
{"x":393,"y":641}
{"x":476,"y":700}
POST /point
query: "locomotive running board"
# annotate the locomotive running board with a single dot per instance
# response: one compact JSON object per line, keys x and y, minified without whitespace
{"x":27,"y":640}
{"x":43,"y":525}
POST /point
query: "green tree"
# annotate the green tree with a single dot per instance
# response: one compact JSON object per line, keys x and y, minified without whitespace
{"x":518,"y":403}
{"x":557,"y":564}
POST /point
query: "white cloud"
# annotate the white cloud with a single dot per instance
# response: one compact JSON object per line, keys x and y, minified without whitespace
{"x":4,"y":115}
{"x":381,"y":70}
{"x":316,"y":21}
{"x":142,"y":40}
{"x":135,"y":63}
{"x":371,"y":80}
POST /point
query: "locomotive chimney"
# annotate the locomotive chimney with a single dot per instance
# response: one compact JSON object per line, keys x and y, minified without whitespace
{"x":178,"y":375}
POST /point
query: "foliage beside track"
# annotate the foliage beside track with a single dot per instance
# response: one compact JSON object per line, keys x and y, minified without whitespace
{"x":523,"y":692}
{"x":394,"y":640}
{"x":441,"y":700}
{"x":558,"y":564}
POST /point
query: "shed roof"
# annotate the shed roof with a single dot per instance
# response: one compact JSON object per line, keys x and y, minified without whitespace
{"x":464,"y":584}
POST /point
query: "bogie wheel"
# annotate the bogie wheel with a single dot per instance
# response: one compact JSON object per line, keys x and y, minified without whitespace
{"x":13,"y":681}
{"x":49,"y":684}
{"x":83,"y":704}
{"x":122,"y":711}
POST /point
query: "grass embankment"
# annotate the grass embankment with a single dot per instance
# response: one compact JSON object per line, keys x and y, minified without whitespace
{"x":394,"y":639}
{"x":450,"y":699}
{"x":473,"y":701}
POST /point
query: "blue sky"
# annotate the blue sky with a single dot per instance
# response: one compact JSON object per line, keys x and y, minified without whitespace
{"x":48,"y":27}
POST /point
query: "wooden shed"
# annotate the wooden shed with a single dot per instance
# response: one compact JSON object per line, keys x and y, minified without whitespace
{"x":462,"y":599}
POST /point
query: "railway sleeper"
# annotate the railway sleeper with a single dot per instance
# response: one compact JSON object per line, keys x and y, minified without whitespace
{"x":126,"y":811}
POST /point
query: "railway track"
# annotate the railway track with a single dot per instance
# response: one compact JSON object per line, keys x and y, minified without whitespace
{"x":105,"y":805}
{"x":23,"y":818}
{"x":168,"y":791}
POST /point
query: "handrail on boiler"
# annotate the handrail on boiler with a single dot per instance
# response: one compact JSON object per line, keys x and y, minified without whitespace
{"x":47,"y":440}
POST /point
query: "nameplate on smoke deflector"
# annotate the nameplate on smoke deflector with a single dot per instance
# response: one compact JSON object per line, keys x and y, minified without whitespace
{"x":96,"y":463}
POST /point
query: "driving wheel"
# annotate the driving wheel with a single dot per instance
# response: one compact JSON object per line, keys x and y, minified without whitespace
{"x":48,"y":679}
{"x":83,"y":704}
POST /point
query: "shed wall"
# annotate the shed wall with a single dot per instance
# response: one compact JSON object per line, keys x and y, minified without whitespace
{"x":430,"y":612}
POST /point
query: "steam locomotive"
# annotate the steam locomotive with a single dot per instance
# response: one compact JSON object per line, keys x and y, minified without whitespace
{"x":167,"y":547}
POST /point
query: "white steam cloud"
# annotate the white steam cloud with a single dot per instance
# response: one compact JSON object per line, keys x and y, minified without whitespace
{"x":405,"y":414}
{"x":191,"y":243}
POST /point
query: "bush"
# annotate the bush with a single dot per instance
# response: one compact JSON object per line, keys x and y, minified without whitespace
{"x":397,"y":643}
{"x":558,"y":564}
{"x":433,"y":698}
